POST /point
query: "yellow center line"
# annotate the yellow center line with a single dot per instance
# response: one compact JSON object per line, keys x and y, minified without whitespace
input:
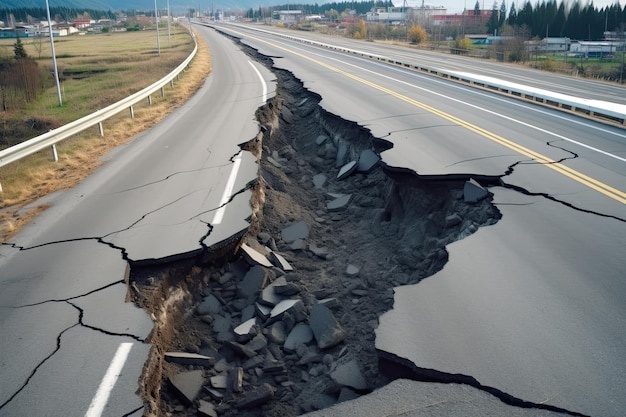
{"x":605,"y":189}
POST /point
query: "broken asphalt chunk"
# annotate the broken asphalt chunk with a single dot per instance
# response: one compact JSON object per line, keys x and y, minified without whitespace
{"x":188,"y":385}
{"x":256,"y":397}
{"x":185,"y":358}
{"x":473,"y":191}
{"x":269,"y":296}
{"x":367,"y":161}
{"x":206,"y":409}
{"x":338,"y":203}
{"x":319,"y":180}
{"x":254,"y":257}
{"x":253,"y":282}
{"x":294,"y":307}
{"x":291,"y":233}
{"x":347,"y":170}
{"x":349,"y":374}
{"x":246,"y":329}
{"x":300,"y":334}
{"x":326,"y":329}
{"x":279,"y":261}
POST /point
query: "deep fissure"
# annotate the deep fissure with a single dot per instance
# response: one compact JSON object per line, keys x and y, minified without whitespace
{"x":395,"y":229}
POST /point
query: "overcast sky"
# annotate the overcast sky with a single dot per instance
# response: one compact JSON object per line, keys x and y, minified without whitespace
{"x":457,"y":6}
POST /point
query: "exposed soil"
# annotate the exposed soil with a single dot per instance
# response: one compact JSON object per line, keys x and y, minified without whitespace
{"x":393,"y":232}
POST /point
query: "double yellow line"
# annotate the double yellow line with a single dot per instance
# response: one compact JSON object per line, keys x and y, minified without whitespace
{"x":605,"y":189}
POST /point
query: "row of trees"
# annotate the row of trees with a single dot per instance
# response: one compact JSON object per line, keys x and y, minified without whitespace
{"x":60,"y":14}
{"x":549,"y":18}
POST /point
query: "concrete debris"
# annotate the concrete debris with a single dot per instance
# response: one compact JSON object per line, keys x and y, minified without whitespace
{"x":294,"y":307}
{"x":269,"y":296}
{"x":339,"y":203}
{"x":235,"y":379}
{"x":352,"y":270}
{"x":298,"y":245}
{"x":473,"y":191}
{"x":219,"y":381}
{"x":188,"y":385}
{"x":258,"y":396}
{"x":262,"y":311}
{"x":274,"y":162}
{"x":367,"y":161}
{"x":319,"y":180}
{"x":326,"y":329}
{"x":287,"y":289}
{"x":321,"y":139}
{"x":246,"y":328}
{"x":277,"y":333}
{"x":209,"y":305}
{"x":296,"y":231}
{"x":185,"y":358}
{"x":252,"y":282}
{"x":254,"y":257}
{"x":300,"y":334}
{"x":349,"y":374}
{"x":329,"y":302}
{"x":206,"y":409}
{"x":215,"y":394}
{"x":319,"y":251}
{"x":347,"y":170}
{"x":453,"y":220}
{"x":342,"y":153}
{"x":279,"y":261}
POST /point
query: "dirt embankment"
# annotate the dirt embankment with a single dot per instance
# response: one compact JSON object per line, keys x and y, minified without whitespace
{"x":349,"y":238}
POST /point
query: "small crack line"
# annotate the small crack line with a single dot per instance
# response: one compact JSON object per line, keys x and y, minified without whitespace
{"x":167,"y":178}
{"x":81,"y":314}
{"x":556,"y":200}
{"x":66,"y":300}
{"x":39,"y":365}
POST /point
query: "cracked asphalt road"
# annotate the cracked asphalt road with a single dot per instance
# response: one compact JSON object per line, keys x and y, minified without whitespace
{"x":64,"y":278}
{"x":532,"y":306}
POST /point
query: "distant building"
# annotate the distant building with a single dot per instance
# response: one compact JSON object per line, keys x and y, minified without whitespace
{"x":389,"y":15}
{"x":288,"y":16}
{"x":468,"y":17}
{"x":593,"y":49}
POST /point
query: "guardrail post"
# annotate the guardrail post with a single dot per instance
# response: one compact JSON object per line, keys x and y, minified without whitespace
{"x":150,"y":100}
{"x":55,"y":155}
{"x":172,"y":83}
{"x":1,"y":188}
{"x":162,"y":92}
{"x":100,"y":129}
{"x":132,"y":112}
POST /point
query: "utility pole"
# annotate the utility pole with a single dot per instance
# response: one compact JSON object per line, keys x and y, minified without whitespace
{"x":156,"y":20}
{"x":54,"y":58}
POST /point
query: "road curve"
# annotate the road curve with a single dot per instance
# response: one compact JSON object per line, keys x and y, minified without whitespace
{"x":71,"y":345}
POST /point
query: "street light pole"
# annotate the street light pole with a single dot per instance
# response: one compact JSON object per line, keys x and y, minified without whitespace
{"x":156,"y":20}
{"x":54,"y":58}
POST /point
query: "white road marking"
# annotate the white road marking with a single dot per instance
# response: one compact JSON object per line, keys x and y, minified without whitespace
{"x":258,"y":73}
{"x":99,"y":401}
{"x":230,"y":184}
{"x":556,"y":135}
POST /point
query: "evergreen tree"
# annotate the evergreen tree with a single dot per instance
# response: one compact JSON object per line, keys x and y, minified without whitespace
{"x":18,"y":49}
{"x":512,"y":19}
{"x":502,"y":17}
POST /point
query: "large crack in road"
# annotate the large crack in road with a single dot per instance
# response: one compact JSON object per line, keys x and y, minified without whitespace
{"x":358,"y":235}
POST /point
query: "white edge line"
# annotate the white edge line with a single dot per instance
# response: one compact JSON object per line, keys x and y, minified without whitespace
{"x":99,"y":401}
{"x":230,"y":184}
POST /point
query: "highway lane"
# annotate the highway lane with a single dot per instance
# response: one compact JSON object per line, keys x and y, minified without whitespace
{"x":532,"y":305}
{"x":64,"y":321}
{"x":576,"y":86}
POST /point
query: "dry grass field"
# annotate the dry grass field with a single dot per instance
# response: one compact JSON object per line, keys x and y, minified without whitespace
{"x":98,"y":70}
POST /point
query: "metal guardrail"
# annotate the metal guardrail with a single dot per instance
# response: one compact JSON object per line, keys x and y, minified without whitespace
{"x":52,"y":137}
{"x":604,"y":111}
